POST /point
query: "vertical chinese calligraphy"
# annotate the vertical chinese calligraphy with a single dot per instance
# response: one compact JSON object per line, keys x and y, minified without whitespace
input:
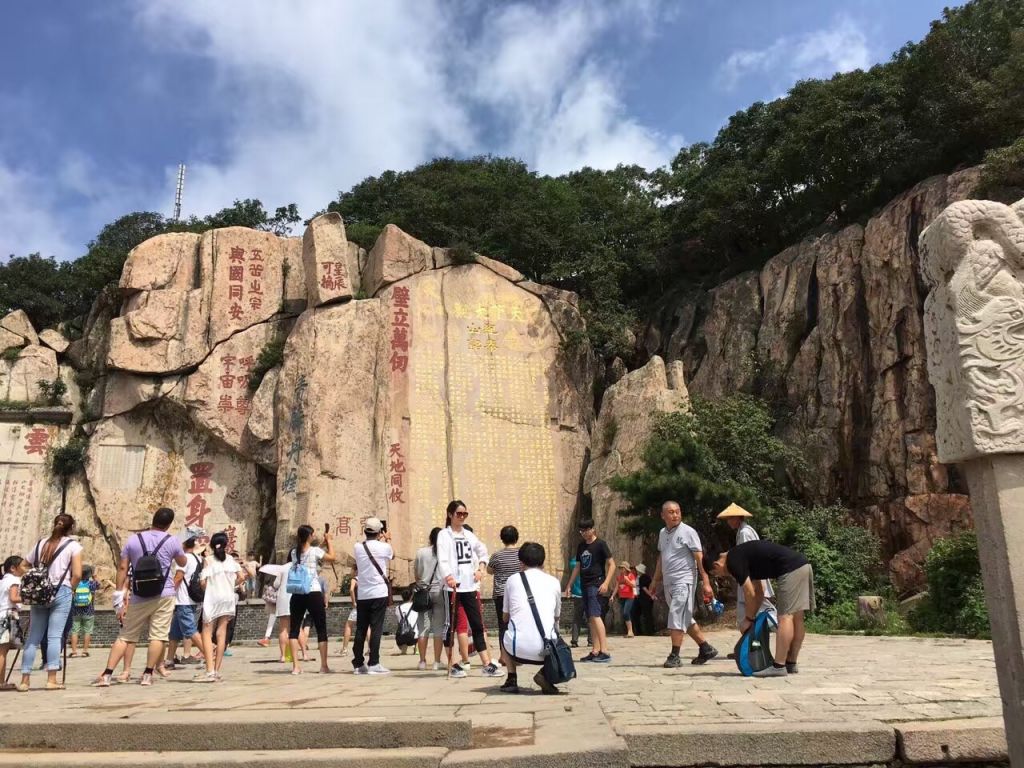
{"x":400,"y":330}
{"x":396,"y":474}
{"x":333,"y":278}
{"x":234,"y":375}
{"x":296,"y":422}
{"x":200,"y":487}
{"x":245,"y":286}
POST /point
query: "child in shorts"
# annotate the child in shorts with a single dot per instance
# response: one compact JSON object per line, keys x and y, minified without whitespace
{"x":83,"y":612}
{"x":14,"y":568}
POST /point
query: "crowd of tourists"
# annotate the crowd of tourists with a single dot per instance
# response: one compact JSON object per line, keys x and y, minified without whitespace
{"x":183,"y":599}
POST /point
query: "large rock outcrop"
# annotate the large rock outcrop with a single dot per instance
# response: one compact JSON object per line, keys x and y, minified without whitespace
{"x":830,"y":330}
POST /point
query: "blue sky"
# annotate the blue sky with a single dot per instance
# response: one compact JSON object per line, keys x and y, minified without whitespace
{"x":290,"y":101}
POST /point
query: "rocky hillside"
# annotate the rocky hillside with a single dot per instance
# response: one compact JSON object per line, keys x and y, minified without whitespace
{"x":830,"y":331}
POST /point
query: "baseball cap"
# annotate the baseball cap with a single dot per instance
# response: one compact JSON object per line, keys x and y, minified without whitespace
{"x":373,"y":525}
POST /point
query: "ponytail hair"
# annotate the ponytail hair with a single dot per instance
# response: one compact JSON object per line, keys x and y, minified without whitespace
{"x":450,"y":511}
{"x":219,"y":542}
{"x":63,"y":525}
{"x":11,"y":563}
{"x":302,"y":536}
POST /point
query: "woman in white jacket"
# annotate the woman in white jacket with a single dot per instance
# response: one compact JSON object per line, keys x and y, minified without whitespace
{"x":461,"y":563}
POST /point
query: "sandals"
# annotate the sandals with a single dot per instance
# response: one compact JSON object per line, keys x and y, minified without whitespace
{"x":54,"y":687}
{"x":124,"y":677}
{"x":22,"y":688}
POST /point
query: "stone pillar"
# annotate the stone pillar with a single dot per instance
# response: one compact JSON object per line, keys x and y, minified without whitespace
{"x":972,"y":258}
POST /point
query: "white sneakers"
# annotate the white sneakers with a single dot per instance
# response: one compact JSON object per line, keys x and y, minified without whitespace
{"x":421,"y":666}
{"x":457,"y":671}
{"x":492,"y":670}
{"x":772,"y":671}
{"x":437,"y":666}
{"x":363,"y":670}
{"x":378,"y":669}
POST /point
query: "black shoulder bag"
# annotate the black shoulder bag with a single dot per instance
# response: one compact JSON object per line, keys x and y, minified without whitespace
{"x":421,"y":599}
{"x":558,"y":664}
{"x":376,"y":565}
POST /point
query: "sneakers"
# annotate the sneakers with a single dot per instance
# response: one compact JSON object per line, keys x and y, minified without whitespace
{"x":574,"y":644}
{"x":204,"y":677}
{"x":703,"y":657}
{"x":437,"y":666}
{"x":378,"y":669}
{"x":772,"y":671}
{"x":589,"y":657}
{"x":791,"y":668}
{"x":363,"y":670}
{"x":228,"y":652}
{"x":421,"y":666}
{"x":263,"y":642}
{"x":466,"y":665}
{"x":672,"y":662}
{"x":457,"y":671}
{"x":511,"y":685}
{"x":103,"y":681}
{"x":601,"y":658}
{"x":146,"y":679}
{"x":491,"y":670}
{"x":545,"y":687}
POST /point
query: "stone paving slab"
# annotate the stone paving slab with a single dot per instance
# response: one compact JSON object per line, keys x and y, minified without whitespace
{"x":844,"y":683}
{"x":980,"y":740}
{"x":307,"y":758}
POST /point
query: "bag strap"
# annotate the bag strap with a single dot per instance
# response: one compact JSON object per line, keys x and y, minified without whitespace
{"x":142,"y":543}
{"x":374,"y":561}
{"x":66,"y":570}
{"x":533,"y":606}
{"x":162,"y":542}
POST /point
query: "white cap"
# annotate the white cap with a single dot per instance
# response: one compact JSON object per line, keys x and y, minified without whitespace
{"x":373,"y":525}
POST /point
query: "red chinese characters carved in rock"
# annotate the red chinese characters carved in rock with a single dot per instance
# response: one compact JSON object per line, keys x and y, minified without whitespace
{"x":200,"y":487}
{"x":401,"y":333}
{"x":397,"y":474}
{"x":36,"y":441}
{"x":344,"y":525}
{"x":333,"y":278}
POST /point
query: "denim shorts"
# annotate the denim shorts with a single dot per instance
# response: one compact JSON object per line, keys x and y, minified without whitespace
{"x":184,"y":624}
{"x":595,"y":605}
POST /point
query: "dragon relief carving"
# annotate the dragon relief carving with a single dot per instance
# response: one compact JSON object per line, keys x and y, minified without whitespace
{"x":972,"y":257}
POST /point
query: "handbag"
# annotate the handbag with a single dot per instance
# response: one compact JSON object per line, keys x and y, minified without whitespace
{"x":376,"y":565}
{"x":300,"y":580}
{"x":559,"y":666}
{"x":421,"y":599}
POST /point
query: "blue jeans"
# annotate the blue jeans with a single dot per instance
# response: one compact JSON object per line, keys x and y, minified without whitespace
{"x":47,"y":622}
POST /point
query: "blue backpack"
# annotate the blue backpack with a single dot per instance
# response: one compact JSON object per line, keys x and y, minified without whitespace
{"x":82,"y":595}
{"x":300,"y":578}
{"x":753,"y":651}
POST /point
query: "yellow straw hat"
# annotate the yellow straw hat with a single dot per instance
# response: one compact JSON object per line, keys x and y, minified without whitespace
{"x":733,"y":510}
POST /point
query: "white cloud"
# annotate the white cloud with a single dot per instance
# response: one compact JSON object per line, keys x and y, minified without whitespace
{"x":321,"y":95}
{"x":839,"y":48}
{"x":28,"y":218}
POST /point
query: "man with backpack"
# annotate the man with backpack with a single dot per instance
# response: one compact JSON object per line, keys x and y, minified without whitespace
{"x":149,"y":554}
{"x":188,"y":600}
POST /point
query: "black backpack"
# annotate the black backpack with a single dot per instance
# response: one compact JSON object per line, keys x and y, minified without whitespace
{"x":405,"y":635}
{"x":196,"y":590}
{"x":148,"y":578}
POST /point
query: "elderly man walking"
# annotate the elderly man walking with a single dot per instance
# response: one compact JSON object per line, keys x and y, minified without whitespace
{"x":680,"y":556}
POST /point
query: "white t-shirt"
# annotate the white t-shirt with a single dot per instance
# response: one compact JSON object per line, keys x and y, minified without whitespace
{"x":9,"y":580}
{"x":220,"y":579}
{"x":371,"y":582}
{"x":522,"y":639}
{"x":192,"y":561}
{"x":459,"y":555}
{"x":310,"y":560}
{"x":60,"y":566}
{"x":405,"y":609}
{"x":677,"y":547}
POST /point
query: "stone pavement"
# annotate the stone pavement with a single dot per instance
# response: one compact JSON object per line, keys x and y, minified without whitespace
{"x":853,"y":697}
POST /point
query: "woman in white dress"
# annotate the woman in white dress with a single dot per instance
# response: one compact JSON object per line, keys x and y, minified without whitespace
{"x":221,"y":576}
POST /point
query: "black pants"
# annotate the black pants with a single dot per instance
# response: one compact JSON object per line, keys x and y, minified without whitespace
{"x":369,"y":615}
{"x":579,"y":620}
{"x":499,"y":604}
{"x":643,"y":617}
{"x":313,"y":604}
{"x":470,"y":602}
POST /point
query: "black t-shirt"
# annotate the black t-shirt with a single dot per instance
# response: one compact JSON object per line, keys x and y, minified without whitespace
{"x":644,"y":583}
{"x":760,"y":560}
{"x":592,"y":559}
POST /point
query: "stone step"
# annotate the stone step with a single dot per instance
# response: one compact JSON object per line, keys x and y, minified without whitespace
{"x":191,"y":731}
{"x":279,"y":758}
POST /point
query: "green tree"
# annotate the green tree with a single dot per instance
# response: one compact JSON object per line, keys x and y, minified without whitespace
{"x":38,"y":285}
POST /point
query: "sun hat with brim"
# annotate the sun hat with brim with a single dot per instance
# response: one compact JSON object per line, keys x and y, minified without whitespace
{"x":641,"y":568}
{"x":733,"y":510}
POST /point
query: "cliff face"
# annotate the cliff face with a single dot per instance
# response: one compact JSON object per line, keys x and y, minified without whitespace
{"x":831,"y":332}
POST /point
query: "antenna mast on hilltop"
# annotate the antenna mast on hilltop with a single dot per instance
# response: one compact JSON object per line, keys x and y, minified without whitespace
{"x":178,"y":191}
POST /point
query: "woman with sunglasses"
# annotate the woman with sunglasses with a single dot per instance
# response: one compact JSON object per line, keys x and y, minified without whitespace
{"x":461,"y":563}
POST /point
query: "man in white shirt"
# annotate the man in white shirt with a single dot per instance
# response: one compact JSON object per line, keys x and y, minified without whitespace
{"x":524,"y":640}
{"x":461,"y":563}
{"x":680,"y":556}
{"x":373,"y":558}
{"x":185,"y":622}
{"x":736,"y":518}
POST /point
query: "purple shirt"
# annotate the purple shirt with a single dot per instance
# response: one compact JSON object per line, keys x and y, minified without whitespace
{"x":171,"y":549}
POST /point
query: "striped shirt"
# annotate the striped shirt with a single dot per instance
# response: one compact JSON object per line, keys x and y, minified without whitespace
{"x":504,"y":563}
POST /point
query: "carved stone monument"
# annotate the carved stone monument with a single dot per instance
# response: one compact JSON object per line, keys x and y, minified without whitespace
{"x":973,"y":261}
